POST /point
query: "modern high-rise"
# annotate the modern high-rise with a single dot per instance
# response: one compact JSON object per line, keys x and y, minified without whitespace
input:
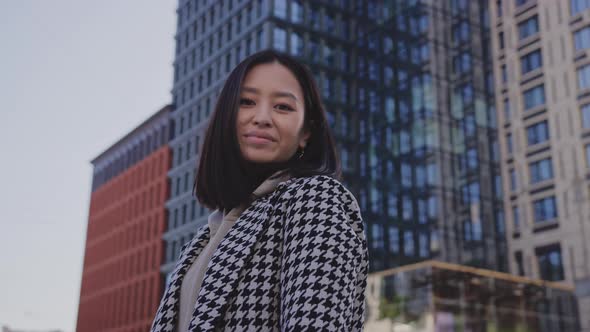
{"x":425,"y":161}
{"x":409,"y":90}
{"x":542,"y":65}
{"x":121,"y":279}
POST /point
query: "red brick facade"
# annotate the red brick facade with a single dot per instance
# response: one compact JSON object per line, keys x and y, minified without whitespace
{"x":121,"y":281}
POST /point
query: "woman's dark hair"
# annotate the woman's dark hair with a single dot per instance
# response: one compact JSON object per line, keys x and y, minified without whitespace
{"x":224,"y":178}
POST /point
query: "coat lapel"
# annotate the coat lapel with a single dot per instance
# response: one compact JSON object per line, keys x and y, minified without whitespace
{"x":225,"y":266}
{"x":166,"y":316}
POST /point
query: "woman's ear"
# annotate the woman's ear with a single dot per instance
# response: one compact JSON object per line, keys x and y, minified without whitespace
{"x":304,"y":138}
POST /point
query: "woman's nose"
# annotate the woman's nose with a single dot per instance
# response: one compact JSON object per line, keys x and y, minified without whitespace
{"x":262,"y":116}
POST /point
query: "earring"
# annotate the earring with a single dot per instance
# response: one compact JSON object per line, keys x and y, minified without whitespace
{"x":301,"y":152}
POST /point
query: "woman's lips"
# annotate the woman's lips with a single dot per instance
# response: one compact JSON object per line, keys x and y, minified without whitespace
{"x":257,"y":140}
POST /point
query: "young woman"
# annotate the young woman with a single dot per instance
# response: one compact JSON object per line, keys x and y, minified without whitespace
{"x":284,"y":249}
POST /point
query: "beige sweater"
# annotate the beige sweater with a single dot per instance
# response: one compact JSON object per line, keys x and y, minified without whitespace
{"x":219,"y":225}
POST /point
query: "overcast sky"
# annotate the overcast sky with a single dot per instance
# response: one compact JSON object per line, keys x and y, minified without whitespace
{"x":75,"y":76}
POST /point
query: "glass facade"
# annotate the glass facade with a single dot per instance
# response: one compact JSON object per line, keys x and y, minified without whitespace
{"x":403,"y":114}
{"x":416,"y":138}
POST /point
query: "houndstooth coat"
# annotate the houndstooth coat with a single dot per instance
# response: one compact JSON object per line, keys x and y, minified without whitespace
{"x":296,"y":260}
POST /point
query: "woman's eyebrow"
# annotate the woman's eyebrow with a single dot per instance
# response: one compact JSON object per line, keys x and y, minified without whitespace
{"x":275,"y":94}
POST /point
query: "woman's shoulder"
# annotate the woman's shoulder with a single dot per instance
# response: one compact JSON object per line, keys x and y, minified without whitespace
{"x":321,"y":186}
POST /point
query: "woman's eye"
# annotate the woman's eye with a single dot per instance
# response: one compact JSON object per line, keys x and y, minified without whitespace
{"x":285,"y":107}
{"x":246,"y":101}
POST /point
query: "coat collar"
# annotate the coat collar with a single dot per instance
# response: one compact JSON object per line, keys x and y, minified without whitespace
{"x":225,"y":266}
{"x":234,"y":251}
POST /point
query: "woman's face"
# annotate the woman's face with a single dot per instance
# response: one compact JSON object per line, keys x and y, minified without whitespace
{"x":270,"y":116}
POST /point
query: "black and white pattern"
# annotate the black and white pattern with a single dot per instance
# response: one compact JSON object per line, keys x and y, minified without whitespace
{"x":296,"y":260}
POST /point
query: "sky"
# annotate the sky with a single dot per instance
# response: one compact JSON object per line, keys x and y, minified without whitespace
{"x":75,"y":76}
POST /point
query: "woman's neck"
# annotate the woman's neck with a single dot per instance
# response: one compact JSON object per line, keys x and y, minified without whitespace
{"x":259,"y":172}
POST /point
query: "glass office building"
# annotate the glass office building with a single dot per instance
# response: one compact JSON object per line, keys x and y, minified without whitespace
{"x":426,"y":159}
{"x":409,"y":92}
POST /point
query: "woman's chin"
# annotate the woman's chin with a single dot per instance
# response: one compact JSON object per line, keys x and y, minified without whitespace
{"x":263,"y":159}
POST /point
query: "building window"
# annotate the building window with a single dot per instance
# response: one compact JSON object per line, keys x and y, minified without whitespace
{"x":459,"y":6}
{"x":462,"y":63}
{"x":249,"y":15}
{"x":260,"y":39}
{"x":175,"y":222}
{"x":519,"y":263}
{"x":507,"y":113}
{"x":509,"y":143}
{"x":550,"y":262}
{"x":545,"y":209}
{"x":582,"y":39}
{"x":470,"y":193}
{"x":186,"y":181}
{"x":408,"y":243}
{"x":472,"y":161}
{"x":296,"y":11}
{"x":577,"y":6}
{"x":531,"y":61}
{"x":423,"y":244}
{"x":467,"y":231}
{"x":188,"y":150}
{"x":296,"y":44}
{"x":520,"y":2}
{"x":329,"y":23}
{"x":314,"y":19}
{"x":280,"y":39}
{"x":193,"y":209}
{"x":528,"y":27}
{"x":260,"y":8}
{"x":406,"y":175}
{"x":467,"y":93}
{"x":501,"y":40}
{"x":314,"y":50}
{"x":249,"y":46}
{"x":500,"y":227}
{"x":586,"y":116}
{"x":504,"y":73}
{"x":377,"y":236}
{"x":238,"y":24}
{"x":537,"y":133}
{"x":329,"y":55}
{"x":461,"y":32}
{"x":584,"y":77}
{"x":407,"y":210}
{"x":587,"y":148}
{"x":534,"y":97}
{"x":393,"y":239}
{"x":280,"y":8}
{"x":513,"y":180}
{"x":516,"y":219}
{"x":541,"y":170}
{"x":227,"y":62}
